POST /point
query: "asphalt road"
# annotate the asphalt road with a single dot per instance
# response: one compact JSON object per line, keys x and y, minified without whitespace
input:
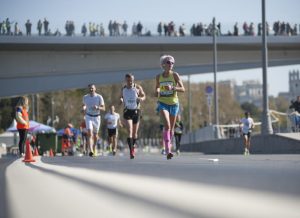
{"x":191,"y":185}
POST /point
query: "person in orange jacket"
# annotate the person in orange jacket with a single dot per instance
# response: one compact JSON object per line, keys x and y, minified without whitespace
{"x":66,"y":140}
{"x":22,"y":122}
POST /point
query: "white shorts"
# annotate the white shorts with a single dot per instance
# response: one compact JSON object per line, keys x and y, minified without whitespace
{"x":93,"y":123}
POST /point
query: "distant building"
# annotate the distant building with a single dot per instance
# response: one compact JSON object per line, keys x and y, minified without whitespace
{"x":294,"y":86}
{"x":250,"y":91}
{"x":229,"y":83}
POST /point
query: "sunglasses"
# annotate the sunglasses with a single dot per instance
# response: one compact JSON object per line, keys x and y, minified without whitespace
{"x":169,"y":62}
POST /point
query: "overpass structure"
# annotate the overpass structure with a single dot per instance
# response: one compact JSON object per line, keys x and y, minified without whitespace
{"x":41,"y":64}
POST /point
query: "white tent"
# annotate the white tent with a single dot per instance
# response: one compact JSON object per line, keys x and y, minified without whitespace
{"x":34,"y":127}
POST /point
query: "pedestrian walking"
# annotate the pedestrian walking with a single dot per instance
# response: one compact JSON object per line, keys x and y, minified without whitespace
{"x":112,"y":119}
{"x":168,"y":83}
{"x":132,"y":95}
{"x":22,"y":122}
{"x":246,"y":127}
{"x":93,"y":104}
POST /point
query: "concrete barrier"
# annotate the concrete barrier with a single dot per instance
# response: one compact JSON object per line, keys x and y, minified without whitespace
{"x":270,"y":144}
{"x":2,"y":149}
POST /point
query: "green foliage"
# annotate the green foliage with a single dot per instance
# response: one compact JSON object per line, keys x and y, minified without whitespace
{"x":67,"y":106}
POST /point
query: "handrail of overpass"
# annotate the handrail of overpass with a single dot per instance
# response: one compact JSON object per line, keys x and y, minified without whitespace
{"x":134,"y":42}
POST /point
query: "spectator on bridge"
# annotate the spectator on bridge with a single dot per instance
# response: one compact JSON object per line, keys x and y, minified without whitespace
{"x":246,"y":29}
{"x":139,"y":28}
{"x":134,"y":29}
{"x":171,"y":29}
{"x":246,"y":127}
{"x":83,"y":29}
{"x":124,"y":28}
{"x":219,"y":29}
{"x":110,"y":28}
{"x":251,"y":29}
{"x":28,"y":27}
{"x":259,"y":29}
{"x":22,"y":119}
{"x":159,"y":28}
{"x":8,"y":26}
{"x":46,"y":27}
{"x":102,"y":32}
{"x":236,"y":29}
{"x":39,"y":27}
{"x":17,"y":31}
{"x":182,"y":30}
{"x":70,"y":28}
{"x":166,"y":29}
{"x":295,"y":31}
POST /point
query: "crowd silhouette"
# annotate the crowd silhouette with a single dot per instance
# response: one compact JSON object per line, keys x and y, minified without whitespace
{"x":114,"y":28}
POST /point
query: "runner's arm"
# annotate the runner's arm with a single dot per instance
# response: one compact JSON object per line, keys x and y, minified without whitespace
{"x":121,"y":97}
{"x":157,"y":87}
{"x":179,"y":84}
{"x":142,"y":95}
{"x":101,"y":107}
{"x":120,"y":122}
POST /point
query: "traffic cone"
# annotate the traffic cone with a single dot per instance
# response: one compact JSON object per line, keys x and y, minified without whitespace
{"x":51,"y":153}
{"x":28,"y":154}
{"x":36,"y":152}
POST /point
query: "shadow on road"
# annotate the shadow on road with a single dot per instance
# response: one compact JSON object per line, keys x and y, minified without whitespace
{"x":262,"y":173}
{"x":5,"y":161}
{"x":126,"y":196}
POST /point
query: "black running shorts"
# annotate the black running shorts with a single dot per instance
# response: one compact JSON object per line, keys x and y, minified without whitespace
{"x":133,"y":115}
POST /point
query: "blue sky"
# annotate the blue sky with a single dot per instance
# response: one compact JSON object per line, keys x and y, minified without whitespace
{"x":151,"y":12}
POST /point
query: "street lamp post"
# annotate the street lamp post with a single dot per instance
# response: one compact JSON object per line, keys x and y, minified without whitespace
{"x":216,"y":94}
{"x":266,"y":119}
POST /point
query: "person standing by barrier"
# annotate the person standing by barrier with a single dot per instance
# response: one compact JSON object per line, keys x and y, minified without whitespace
{"x":93,"y":103}
{"x":296,"y":106}
{"x":112,"y":121}
{"x":178,"y":133}
{"x":22,"y":122}
{"x":246,"y":127}
{"x":131,"y":96}
{"x":168,"y":83}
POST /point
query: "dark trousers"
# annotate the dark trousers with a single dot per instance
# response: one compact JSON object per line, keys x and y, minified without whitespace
{"x":177,"y":141}
{"x":22,"y":136}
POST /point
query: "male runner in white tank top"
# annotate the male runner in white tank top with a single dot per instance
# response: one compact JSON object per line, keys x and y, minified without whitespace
{"x":93,"y":103}
{"x":131,"y":96}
